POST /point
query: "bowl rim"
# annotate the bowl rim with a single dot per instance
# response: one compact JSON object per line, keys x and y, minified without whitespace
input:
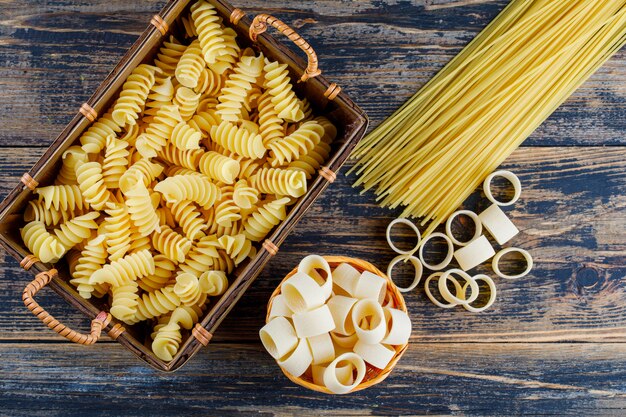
{"x":373,"y":375}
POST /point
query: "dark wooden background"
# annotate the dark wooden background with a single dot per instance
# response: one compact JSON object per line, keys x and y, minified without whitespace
{"x":554,"y":342}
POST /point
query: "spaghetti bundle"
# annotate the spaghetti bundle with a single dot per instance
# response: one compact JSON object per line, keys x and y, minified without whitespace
{"x":441,"y":144}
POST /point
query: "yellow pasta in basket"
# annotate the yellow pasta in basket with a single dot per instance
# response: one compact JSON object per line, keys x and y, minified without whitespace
{"x":134,"y":95}
{"x":238,"y":140}
{"x":179,"y":180}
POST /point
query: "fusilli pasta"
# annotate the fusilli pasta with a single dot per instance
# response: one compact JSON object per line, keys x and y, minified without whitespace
{"x":134,"y":95}
{"x":171,"y":244}
{"x":279,"y":86}
{"x":189,"y":187}
{"x":219,"y":167}
{"x":260,"y":222}
{"x":238,"y":140}
{"x":280,"y":182}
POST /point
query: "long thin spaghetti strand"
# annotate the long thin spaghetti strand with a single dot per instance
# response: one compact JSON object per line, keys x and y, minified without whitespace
{"x":439,"y":145}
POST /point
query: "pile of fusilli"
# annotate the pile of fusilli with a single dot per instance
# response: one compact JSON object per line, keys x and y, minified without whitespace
{"x":167,"y":192}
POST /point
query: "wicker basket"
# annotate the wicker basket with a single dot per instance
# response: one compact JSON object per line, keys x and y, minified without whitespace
{"x":326,"y":99}
{"x":373,"y":375}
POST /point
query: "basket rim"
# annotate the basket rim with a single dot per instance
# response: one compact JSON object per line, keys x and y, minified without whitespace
{"x":239,"y":281}
{"x":375,"y":375}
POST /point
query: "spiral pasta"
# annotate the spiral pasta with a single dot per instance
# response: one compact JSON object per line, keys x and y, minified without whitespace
{"x":210,"y":34}
{"x":219,"y":167}
{"x":245,"y":196}
{"x":187,"y":288}
{"x":168,"y":337}
{"x":188,"y":217}
{"x":187,"y":159}
{"x":208,"y":101}
{"x":330,"y":131}
{"x":187,"y":101}
{"x":134,"y":95}
{"x":91,"y":183}
{"x":251,"y":101}
{"x":117,"y":227}
{"x":156,"y":303}
{"x":213,"y":283}
{"x":124,"y":302}
{"x":71,"y":157}
{"x":223,"y":262}
{"x":300,"y":142}
{"x":250,"y":126}
{"x":201,"y":256}
{"x":143,"y":170}
{"x":278,"y":85}
{"x":209,"y":84}
{"x":36,"y":211}
{"x":74,"y":231}
{"x":262,"y":221}
{"x":138,"y":241}
{"x":141,"y":211}
{"x":280,"y":181}
{"x":161,"y":95}
{"x":238,"y":247}
{"x":94,"y":139}
{"x":169,"y":55}
{"x":225,"y":210}
{"x":230,"y":52}
{"x":171,"y":244}
{"x":238,"y":140}
{"x":185,"y":137}
{"x":190,"y":66}
{"x":311,"y":162}
{"x":129,"y":268}
{"x":189,"y":26}
{"x":248,"y":167}
{"x":65,"y":198}
{"x":115,"y":161}
{"x":219,"y":230}
{"x":237,"y":86}
{"x":91,"y":258}
{"x":163,"y":271}
{"x":203,"y":121}
{"x":167,"y":192}
{"x":158,"y":132}
{"x":270,"y":125}
{"x":165,"y":217}
{"x":305,"y":105}
{"x":176,"y":170}
{"x":41,"y":243}
{"x":189,"y":187}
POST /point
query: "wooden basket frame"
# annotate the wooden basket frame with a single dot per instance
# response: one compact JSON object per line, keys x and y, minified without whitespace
{"x":324,"y":96}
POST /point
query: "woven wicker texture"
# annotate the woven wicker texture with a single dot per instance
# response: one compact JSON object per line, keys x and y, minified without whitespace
{"x":259,"y":25}
{"x":41,"y":280}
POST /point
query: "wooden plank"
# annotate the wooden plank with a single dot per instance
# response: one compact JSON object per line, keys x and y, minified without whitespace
{"x":233,"y":379}
{"x":573,"y":220}
{"x":56,"y":54}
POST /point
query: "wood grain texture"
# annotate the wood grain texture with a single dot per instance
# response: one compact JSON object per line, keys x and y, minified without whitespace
{"x":380,"y":52}
{"x":572,"y":219}
{"x":572,"y":216}
{"x":232,"y":379}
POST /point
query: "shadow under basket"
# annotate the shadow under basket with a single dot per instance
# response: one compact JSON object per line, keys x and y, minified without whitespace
{"x":372,"y":375}
{"x":326,"y":99}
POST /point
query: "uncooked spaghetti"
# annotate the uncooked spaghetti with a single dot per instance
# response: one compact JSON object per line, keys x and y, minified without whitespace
{"x":441,"y":144}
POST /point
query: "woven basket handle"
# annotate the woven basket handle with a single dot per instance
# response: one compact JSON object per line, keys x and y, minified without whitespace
{"x":259,"y":25}
{"x":40,"y":281}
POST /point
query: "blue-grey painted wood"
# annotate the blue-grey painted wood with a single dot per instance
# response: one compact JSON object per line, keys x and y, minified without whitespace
{"x":55,"y":54}
{"x":572,"y":216}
